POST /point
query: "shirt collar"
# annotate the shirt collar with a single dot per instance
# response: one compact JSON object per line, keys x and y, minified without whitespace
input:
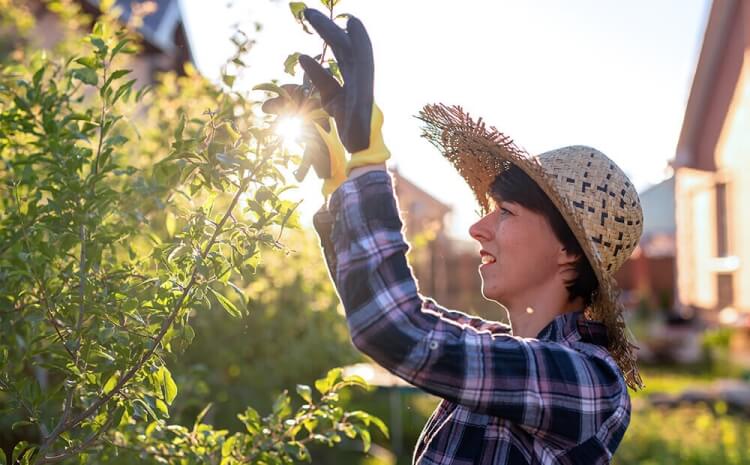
{"x":573,"y":326}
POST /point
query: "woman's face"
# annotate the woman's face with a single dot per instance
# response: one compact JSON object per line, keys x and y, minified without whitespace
{"x":520,"y":252}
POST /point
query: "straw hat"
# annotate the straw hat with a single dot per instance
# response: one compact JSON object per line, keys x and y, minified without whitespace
{"x":594,"y":196}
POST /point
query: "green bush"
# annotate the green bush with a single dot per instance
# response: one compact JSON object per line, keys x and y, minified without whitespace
{"x":125,"y":212}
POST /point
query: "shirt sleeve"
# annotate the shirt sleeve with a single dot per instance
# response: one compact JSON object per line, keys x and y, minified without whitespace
{"x":546,"y":387}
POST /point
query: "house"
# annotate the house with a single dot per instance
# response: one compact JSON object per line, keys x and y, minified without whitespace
{"x":712,"y":174}
{"x":165,"y":42}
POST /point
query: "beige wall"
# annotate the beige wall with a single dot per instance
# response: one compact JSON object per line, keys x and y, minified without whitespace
{"x":733,"y":167}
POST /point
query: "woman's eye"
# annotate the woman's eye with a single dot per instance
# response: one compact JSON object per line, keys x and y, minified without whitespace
{"x":505,"y":211}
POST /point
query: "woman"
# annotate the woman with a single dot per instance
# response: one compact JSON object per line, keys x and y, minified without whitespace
{"x":552,"y":387}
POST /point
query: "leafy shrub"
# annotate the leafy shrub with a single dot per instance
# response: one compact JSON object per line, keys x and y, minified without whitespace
{"x":125,"y":212}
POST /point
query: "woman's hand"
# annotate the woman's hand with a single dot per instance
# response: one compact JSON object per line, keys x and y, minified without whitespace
{"x":359,"y":121}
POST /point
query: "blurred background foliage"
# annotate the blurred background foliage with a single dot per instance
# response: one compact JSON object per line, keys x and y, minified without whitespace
{"x":295,"y":330}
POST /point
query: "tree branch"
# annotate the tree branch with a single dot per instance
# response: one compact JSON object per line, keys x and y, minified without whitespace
{"x":87,"y":443}
{"x":166,"y":324}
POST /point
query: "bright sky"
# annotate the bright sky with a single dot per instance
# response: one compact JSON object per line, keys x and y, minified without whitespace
{"x":610,"y":74}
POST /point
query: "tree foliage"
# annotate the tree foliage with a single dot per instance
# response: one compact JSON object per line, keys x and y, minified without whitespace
{"x":125,"y":211}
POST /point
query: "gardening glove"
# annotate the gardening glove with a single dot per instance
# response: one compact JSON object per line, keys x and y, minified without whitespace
{"x":323,"y":149}
{"x":358,"y":120}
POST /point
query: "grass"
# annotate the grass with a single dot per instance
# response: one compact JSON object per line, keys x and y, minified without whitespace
{"x":689,"y":434}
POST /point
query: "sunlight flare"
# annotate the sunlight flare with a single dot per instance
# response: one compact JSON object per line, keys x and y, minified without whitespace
{"x":290,"y":130}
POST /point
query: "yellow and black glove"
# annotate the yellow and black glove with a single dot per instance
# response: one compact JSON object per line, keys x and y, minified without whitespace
{"x":359,"y":121}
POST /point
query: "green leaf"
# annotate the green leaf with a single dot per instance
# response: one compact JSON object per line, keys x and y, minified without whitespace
{"x":88,"y":62}
{"x":228,"y":79}
{"x":115,"y":75}
{"x":240,"y":294}
{"x":162,"y":407}
{"x":169,"y":387}
{"x":268,"y":87}
{"x":118,"y":415}
{"x":291,"y":62}
{"x":180,"y":127}
{"x":290,"y":220}
{"x":22,"y":452}
{"x":142,"y":92}
{"x":111,"y":383}
{"x":282,"y":405}
{"x":226,"y":448}
{"x":180,"y":250}
{"x":226,"y":303}
{"x":151,"y":428}
{"x":124,"y":89}
{"x":310,"y":424}
{"x":170,"y":222}
{"x":366,"y":419}
{"x":251,"y":420}
{"x":297,"y":8}
{"x":305,"y":392}
{"x":188,"y":333}
{"x":119,"y":73}
{"x":381,"y":425}
{"x":119,"y":47}
{"x":100,"y":45}
{"x":329,"y":3}
{"x":20,"y":424}
{"x":353,"y":380}
{"x":324,"y":385}
{"x":364,"y":434}
{"x":333,"y":67}
{"x":85,"y":75}
{"x":117,"y":141}
{"x":3,"y":459}
{"x":201,"y":416}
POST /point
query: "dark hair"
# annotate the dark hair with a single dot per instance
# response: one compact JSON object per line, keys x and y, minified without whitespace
{"x":513,"y":185}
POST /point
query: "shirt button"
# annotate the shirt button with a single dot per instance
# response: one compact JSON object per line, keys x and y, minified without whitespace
{"x":433,"y":345}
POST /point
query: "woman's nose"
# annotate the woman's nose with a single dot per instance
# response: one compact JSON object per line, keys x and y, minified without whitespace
{"x":479,"y":230}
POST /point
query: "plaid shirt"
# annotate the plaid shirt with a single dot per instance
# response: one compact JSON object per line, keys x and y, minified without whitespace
{"x":555,"y":399}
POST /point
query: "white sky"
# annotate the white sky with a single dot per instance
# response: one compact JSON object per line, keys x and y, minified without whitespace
{"x":611,"y":74}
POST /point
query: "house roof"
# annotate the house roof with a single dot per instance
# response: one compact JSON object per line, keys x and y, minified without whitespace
{"x":658,"y":205}
{"x":159,"y":27}
{"x":401,"y":181}
{"x":713,"y":53}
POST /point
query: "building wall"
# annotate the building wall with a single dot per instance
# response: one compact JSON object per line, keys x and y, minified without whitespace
{"x":712,"y":176}
{"x":696,"y":238}
{"x":733,"y":169}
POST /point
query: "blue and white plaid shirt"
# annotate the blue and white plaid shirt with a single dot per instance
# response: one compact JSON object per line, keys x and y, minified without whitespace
{"x":558,"y":398}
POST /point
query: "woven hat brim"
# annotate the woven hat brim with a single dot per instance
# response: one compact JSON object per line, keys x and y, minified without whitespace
{"x":479,"y":153}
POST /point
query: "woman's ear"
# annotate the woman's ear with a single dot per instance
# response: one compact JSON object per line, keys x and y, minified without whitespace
{"x":565,"y":257}
{"x":567,"y":261}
